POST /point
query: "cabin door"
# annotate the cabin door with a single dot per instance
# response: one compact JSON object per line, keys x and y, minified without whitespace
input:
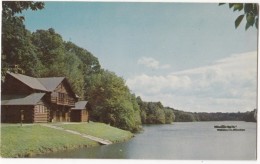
{"x":75,"y":116}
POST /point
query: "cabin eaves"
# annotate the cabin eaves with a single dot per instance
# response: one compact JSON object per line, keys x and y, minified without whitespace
{"x":31,"y":99}
{"x":80,"y":105}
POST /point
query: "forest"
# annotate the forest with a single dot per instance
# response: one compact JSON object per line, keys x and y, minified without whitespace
{"x":182,"y":116}
{"x":45,"y":53}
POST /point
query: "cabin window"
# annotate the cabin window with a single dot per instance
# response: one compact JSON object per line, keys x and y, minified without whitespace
{"x":61,"y":95}
{"x":41,"y":109}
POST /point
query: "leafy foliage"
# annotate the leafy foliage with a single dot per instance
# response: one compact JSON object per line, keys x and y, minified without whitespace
{"x":181,"y":116}
{"x":169,"y":116}
{"x":111,"y":101}
{"x":251,"y":11}
{"x":17,"y":47}
{"x":50,"y":51}
{"x":155,"y":113}
{"x":10,"y":8}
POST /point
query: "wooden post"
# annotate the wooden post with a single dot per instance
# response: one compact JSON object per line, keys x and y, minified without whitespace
{"x":22,"y":117}
{"x":69,"y":114}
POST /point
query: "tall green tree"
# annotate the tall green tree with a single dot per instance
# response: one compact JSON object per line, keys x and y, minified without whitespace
{"x":169,"y":116}
{"x":75,"y":73}
{"x":137,"y":113}
{"x":50,"y":51}
{"x":112,"y":102}
{"x":143,"y":108}
{"x":155,"y":113}
{"x":90,"y":62}
{"x":17,"y":48}
{"x":88,"y":66}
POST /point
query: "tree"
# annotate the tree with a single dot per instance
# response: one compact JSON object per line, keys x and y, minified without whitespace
{"x":137,"y":112}
{"x":250,"y":116}
{"x":111,"y":101}
{"x":143,"y":108}
{"x":88,"y":65}
{"x":169,"y":116}
{"x":10,"y":8}
{"x":17,"y":48}
{"x":74,"y":73}
{"x":50,"y":51}
{"x":251,"y":11}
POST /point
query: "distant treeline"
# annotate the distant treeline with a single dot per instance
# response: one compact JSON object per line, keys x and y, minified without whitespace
{"x":156,"y":113}
{"x":182,"y":116}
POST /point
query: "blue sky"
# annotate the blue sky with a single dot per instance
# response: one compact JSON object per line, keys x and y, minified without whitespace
{"x":187,"y":55}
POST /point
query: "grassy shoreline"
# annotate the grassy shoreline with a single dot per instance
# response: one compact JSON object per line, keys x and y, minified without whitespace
{"x":33,"y":139}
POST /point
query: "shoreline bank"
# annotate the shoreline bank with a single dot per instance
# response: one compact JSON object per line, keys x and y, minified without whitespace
{"x":34,"y":139}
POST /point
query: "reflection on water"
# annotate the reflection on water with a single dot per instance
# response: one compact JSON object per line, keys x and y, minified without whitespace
{"x":195,"y":141}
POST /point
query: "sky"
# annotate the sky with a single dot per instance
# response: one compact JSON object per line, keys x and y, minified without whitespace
{"x":189,"y":56}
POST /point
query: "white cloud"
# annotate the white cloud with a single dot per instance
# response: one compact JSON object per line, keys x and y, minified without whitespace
{"x":152,"y":63}
{"x":227,"y":85}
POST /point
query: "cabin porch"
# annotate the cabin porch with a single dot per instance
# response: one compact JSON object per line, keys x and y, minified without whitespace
{"x":60,"y":113}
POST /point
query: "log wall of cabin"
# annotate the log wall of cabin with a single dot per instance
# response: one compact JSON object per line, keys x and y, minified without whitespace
{"x":84,"y":115}
{"x":41,"y":113}
{"x":12,"y":114}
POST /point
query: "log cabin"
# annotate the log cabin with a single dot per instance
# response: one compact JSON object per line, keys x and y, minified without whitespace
{"x":34,"y":100}
{"x":33,"y":107}
{"x":79,"y":113}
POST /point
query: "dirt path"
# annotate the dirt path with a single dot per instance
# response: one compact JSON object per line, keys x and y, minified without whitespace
{"x":99,"y":140}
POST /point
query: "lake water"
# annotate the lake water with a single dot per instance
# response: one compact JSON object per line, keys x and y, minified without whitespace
{"x":178,"y":141}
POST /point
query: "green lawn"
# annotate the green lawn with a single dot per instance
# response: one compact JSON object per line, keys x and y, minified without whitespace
{"x":100,"y":130}
{"x":23,"y":141}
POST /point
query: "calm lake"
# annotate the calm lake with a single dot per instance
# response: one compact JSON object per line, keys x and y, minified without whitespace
{"x":178,"y":141}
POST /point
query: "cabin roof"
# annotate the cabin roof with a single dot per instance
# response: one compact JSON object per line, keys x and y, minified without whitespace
{"x":51,"y":83}
{"x":31,"y":99}
{"x":29,"y":81}
{"x":47,"y":84}
{"x":80,"y":105}
{"x":43,"y":84}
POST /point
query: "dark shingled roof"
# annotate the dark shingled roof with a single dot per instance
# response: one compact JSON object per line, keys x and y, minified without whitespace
{"x":43,"y":84}
{"x":80,"y":105}
{"x":31,"y":99}
{"x":29,"y":81}
{"x":51,"y":83}
{"x":47,"y":84}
